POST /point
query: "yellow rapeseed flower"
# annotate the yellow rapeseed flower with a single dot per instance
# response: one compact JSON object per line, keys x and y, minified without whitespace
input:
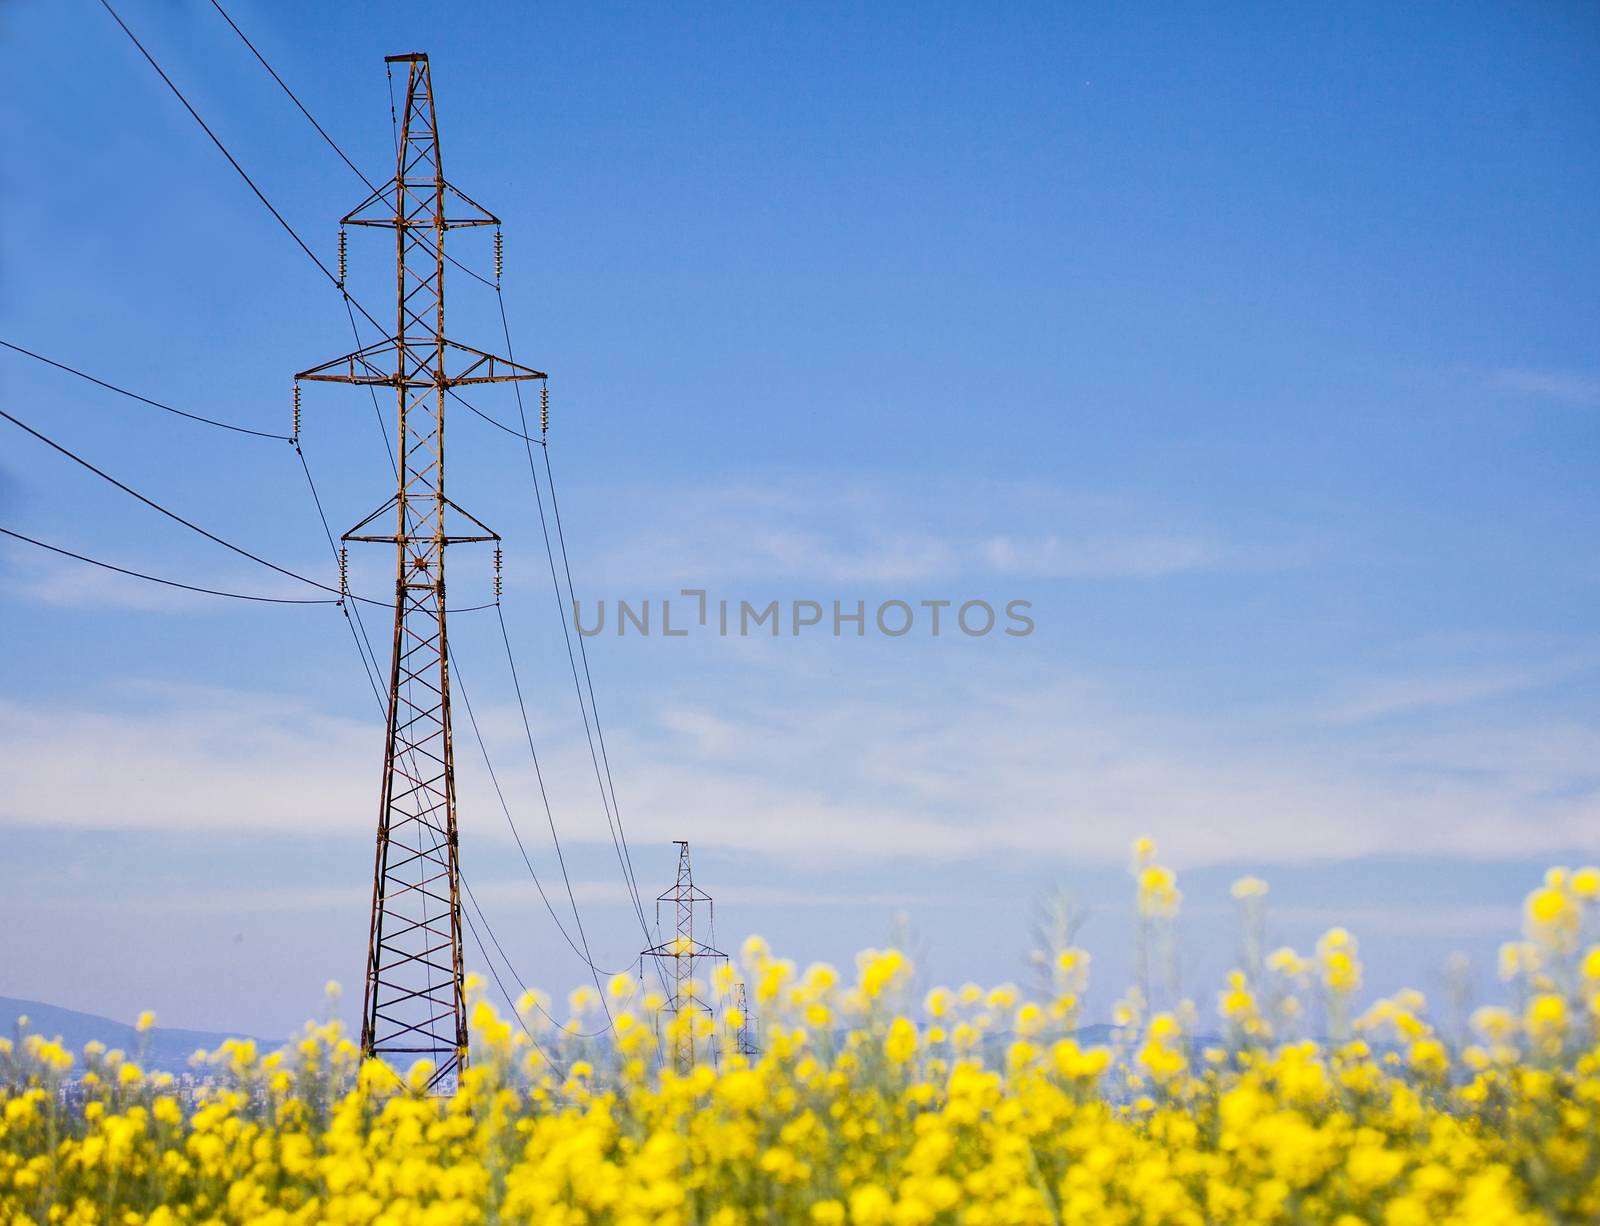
{"x":1546,"y":1016}
{"x":1158,"y":894}
{"x":1585,"y":883}
{"x":847,"y":1112}
{"x":1248,"y":887}
{"x":1341,"y":969}
{"x":1589,"y":968}
{"x":901,"y":1044}
{"x":870,"y":1205}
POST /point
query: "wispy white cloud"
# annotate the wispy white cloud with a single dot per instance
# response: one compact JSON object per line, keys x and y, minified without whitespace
{"x":850,"y":531}
{"x":944,"y":766}
{"x":183,"y":757}
{"x":1130,"y":556}
{"x":1569,"y":387}
{"x":1376,"y":697}
{"x":1363,"y":699}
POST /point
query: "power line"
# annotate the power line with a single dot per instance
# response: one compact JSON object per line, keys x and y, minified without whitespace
{"x":496,"y":424}
{"x":358,"y":628}
{"x":372,"y":392}
{"x":172,"y":515}
{"x":122,"y":391}
{"x":316,"y":499}
{"x":132,"y":395}
{"x":575,"y":1034}
{"x":472,"y":719}
{"x":223,"y":149}
{"x":477,"y":940}
{"x":188,"y":587}
{"x":212,"y":536}
{"x":623,"y":859}
{"x":618,"y":834}
{"x":527,"y":729}
{"x":323,"y":132}
{"x":584,"y":656}
{"x":142,"y":399}
{"x":343,"y":607}
{"x":284,"y":86}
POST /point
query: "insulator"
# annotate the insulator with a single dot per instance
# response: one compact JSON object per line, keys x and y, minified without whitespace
{"x":544,"y":408}
{"x":341,"y":256}
{"x":296,"y":410}
{"x":499,"y":255}
{"x":344,"y":570}
{"x":497,"y":557}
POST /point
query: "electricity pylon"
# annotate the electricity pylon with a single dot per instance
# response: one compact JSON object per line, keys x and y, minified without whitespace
{"x":744,"y":1038}
{"x":686,"y":1002}
{"x":414,"y":1002}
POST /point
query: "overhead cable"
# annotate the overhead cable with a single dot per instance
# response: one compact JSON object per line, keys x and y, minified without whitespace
{"x":122,"y":391}
{"x":188,"y":587}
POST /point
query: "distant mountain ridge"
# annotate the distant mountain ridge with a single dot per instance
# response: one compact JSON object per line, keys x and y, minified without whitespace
{"x":169,"y":1050}
{"x":164,"y":1049}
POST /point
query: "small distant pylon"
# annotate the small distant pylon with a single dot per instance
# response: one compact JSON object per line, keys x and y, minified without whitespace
{"x":686,"y":1004}
{"x":744,"y":1035}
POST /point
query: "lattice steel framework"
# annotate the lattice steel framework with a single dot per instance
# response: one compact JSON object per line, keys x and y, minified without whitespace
{"x":682,"y":953}
{"x":414,"y":1004}
{"x":745,"y":1040}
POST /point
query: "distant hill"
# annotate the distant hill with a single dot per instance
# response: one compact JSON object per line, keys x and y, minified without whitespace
{"x":163,"y":1048}
{"x":170,"y":1050}
{"x":1094,"y":1036}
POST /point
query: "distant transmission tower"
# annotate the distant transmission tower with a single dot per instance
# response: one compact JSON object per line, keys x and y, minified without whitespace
{"x":682,"y":953}
{"x":414,"y":1002}
{"x":744,"y":1039}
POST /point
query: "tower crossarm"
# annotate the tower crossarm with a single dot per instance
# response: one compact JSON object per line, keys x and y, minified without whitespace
{"x":379,"y":209}
{"x":418,"y":362}
{"x":390,"y":538}
{"x":690,"y":893}
{"x":692,"y":949}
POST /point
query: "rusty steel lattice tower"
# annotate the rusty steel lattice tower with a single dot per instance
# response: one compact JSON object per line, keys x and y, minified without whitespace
{"x":682,"y":953}
{"x":414,"y":1004}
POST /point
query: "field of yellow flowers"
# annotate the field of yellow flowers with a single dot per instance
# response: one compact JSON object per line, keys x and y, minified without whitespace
{"x":975,"y":1106}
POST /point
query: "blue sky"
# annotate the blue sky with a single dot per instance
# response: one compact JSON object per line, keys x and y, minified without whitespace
{"x":1255,"y":348}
